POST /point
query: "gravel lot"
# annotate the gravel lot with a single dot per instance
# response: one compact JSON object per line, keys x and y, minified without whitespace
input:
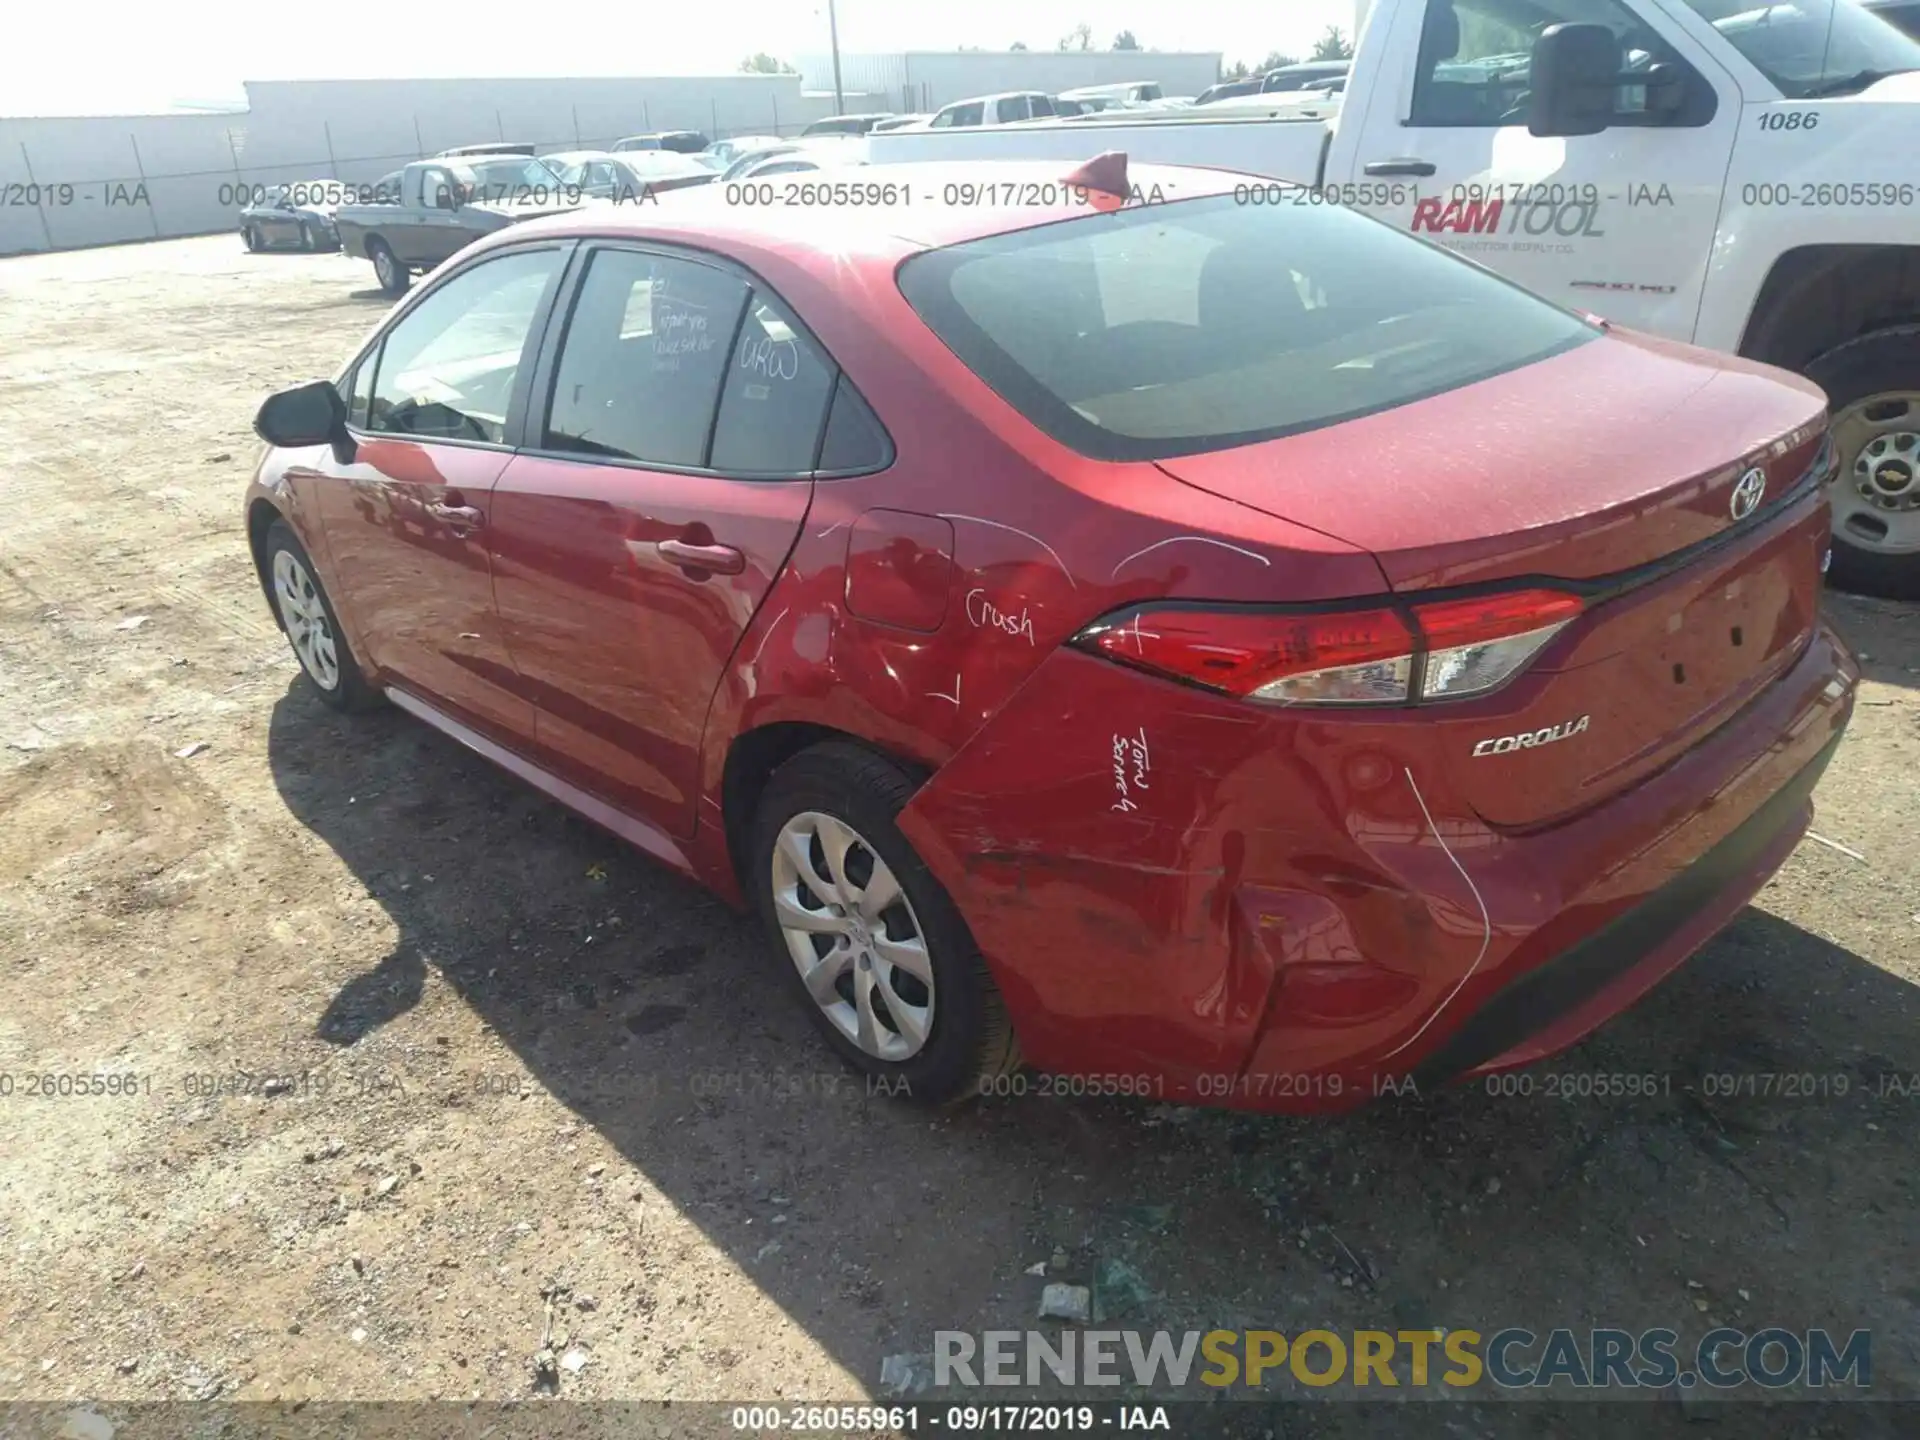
{"x":532,"y":1090}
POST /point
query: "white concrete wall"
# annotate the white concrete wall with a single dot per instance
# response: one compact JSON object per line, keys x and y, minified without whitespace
{"x":356,"y":130}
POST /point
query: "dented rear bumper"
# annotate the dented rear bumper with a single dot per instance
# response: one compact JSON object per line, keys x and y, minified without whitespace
{"x":1187,"y":896}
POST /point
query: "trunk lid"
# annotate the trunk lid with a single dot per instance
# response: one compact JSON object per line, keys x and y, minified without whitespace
{"x":1615,"y":467}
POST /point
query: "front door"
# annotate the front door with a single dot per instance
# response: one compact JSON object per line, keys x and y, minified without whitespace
{"x":406,"y":522}
{"x":653,"y":508}
{"x":1620,"y":223}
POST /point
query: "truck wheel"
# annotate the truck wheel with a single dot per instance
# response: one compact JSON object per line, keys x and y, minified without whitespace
{"x":387,"y":269}
{"x":1874,"y":386}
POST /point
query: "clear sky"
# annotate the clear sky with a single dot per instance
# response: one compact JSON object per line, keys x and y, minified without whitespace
{"x":117,"y":56}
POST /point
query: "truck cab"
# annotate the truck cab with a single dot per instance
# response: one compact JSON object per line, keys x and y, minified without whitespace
{"x":1005,"y":109}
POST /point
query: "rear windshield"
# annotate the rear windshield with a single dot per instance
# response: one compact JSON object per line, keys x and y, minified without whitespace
{"x":1171,"y":329}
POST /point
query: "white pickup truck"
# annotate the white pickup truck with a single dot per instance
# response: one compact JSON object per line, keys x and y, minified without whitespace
{"x":1739,"y":174}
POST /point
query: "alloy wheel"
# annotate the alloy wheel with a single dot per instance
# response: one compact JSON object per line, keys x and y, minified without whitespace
{"x":305,"y":616}
{"x":1876,"y":497}
{"x":853,"y":936}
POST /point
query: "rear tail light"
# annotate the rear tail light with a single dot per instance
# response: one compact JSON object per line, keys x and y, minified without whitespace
{"x":1442,"y":650}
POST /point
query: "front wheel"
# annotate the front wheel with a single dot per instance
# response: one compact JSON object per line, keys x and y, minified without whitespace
{"x":312,"y":627}
{"x":873,"y":945}
{"x":1873,"y":384}
{"x":252,"y":236}
{"x":387,"y":269}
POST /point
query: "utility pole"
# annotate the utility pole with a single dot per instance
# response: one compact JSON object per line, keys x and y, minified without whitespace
{"x":833,"y":34}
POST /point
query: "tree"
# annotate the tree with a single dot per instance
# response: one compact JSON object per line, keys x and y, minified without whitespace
{"x":1125,"y":41}
{"x":762,"y":63}
{"x":1078,"y":38}
{"x":1018,"y":45}
{"x":1332,"y":46}
{"x":1274,"y":61}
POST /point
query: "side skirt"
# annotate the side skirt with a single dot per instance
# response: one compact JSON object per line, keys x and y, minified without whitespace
{"x":637,"y":833}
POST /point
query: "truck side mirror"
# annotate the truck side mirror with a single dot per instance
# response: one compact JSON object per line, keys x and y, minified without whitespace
{"x":1575,"y":76}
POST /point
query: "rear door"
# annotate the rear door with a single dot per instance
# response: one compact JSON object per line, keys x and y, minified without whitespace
{"x":432,"y":229}
{"x":662,"y":484}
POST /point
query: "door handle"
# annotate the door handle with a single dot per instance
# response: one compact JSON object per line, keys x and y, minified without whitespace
{"x":456,"y":517}
{"x":1401,"y":166}
{"x":717,"y":559}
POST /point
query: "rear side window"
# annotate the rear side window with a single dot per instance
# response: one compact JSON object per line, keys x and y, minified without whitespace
{"x":854,"y":440}
{"x":775,"y":397}
{"x":1177,"y":328}
{"x":643,"y":359}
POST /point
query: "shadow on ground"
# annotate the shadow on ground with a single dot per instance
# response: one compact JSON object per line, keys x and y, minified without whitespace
{"x":1760,"y":1175}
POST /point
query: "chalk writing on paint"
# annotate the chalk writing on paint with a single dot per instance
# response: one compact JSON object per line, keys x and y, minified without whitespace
{"x":1131,"y":766}
{"x":984,"y":614}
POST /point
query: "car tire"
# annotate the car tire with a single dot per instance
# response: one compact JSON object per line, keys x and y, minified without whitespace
{"x":1873,"y":387}
{"x":308,"y":241}
{"x":252,"y":236}
{"x":307,"y":615}
{"x":941,"y":1042}
{"x":387,"y":269}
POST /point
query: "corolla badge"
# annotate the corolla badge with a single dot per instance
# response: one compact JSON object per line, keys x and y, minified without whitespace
{"x":1502,"y":744}
{"x":1747,"y":493}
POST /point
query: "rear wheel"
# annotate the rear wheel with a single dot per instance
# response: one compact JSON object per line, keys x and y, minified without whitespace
{"x":872,"y":943}
{"x":312,"y":627}
{"x":1873,"y":384}
{"x":307,"y":239}
{"x":387,"y":269}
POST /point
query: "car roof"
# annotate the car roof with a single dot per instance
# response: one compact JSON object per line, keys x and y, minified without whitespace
{"x":1105,"y":88}
{"x":702,"y":217}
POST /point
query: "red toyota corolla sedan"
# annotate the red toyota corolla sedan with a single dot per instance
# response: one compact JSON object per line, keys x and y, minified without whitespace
{"x":1223,"y":653}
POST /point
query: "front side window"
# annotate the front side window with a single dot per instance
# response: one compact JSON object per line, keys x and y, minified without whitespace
{"x":775,"y":397}
{"x":446,"y":370}
{"x":1476,"y":58}
{"x":1813,"y":48}
{"x":643,"y":359}
{"x":360,"y":392}
{"x":1197,"y":325}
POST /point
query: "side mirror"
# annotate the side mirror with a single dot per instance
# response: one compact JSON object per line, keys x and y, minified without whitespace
{"x":307,"y":415}
{"x":1576,"y":75}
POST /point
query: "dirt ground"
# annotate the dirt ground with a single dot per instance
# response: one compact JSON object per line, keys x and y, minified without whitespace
{"x":529,"y":1090}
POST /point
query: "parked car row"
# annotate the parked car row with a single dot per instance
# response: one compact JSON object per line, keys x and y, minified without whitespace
{"x":1328,"y":75}
{"x":1236,"y":647}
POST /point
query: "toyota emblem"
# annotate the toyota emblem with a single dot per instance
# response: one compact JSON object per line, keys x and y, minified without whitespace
{"x":1746,"y":494}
